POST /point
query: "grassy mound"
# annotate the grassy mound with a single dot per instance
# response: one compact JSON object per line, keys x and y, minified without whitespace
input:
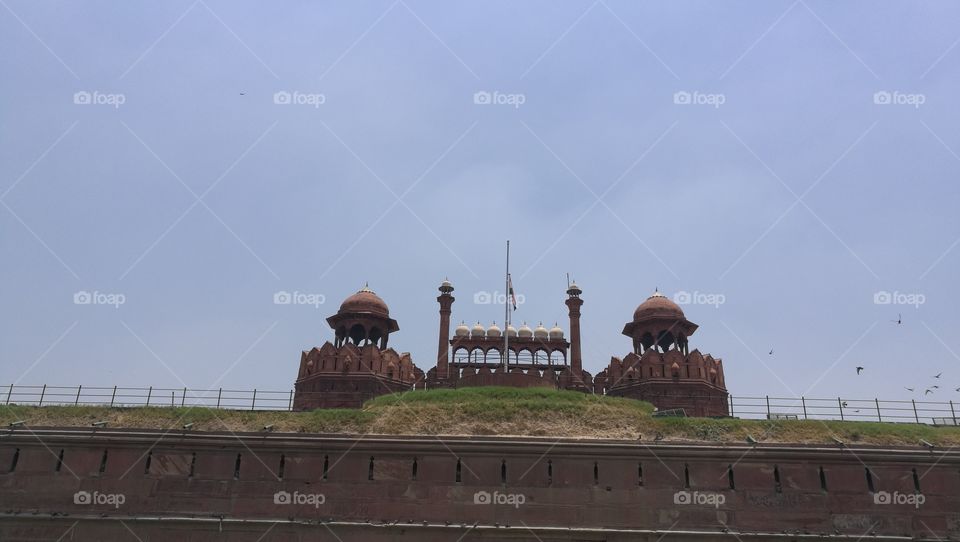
{"x":491,"y":411}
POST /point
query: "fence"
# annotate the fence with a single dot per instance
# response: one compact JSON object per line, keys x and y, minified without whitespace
{"x":803,"y":408}
{"x":838,"y":408}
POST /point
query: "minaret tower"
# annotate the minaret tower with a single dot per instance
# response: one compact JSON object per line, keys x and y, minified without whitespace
{"x":573,"y":303}
{"x":443,"y":350}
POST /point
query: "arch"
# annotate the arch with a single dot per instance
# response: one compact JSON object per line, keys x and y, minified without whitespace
{"x":357,"y":333}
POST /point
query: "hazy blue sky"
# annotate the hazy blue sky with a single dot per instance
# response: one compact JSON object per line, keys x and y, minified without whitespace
{"x":792,"y":192}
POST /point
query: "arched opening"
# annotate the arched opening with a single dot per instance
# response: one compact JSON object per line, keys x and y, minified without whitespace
{"x":357,"y":334}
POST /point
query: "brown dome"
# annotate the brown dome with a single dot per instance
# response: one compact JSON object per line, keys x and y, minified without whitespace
{"x":658,"y":306}
{"x":365,"y":301}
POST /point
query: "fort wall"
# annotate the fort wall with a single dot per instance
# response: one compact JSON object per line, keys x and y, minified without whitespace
{"x":425,"y":488}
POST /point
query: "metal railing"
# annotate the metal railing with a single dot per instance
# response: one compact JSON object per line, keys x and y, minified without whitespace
{"x":142,"y":397}
{"x":839,"y":408}
{"x":765,"y":407}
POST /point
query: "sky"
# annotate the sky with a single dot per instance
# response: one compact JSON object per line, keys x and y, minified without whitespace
{"x":787,"y":169}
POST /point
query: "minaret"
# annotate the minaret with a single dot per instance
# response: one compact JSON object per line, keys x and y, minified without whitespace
{"x":573,"y":303}
{"x":446,"y":301}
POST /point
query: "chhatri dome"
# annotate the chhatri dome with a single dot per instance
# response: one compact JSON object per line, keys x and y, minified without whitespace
{"x":365,"y":301}
{"x":657,"y":306}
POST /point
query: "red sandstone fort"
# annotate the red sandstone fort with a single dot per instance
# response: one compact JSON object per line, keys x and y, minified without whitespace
{"x":660,"y":368}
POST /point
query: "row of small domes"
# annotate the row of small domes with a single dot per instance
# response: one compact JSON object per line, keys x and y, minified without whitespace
{"x":494,"y":330}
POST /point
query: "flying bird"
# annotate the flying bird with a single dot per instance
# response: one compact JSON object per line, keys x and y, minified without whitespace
{"x":936,"y":387}
{"x":937,"y":375}
{"x":771,"y":351}
{"x":844,"y":403}
{"x":859,"y":369}
{"x":911,"y":389}
{"x":899,"y":320}
{"x":927,"y":392}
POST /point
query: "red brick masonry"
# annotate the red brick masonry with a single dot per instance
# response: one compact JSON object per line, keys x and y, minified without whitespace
{"x":196,"y":486}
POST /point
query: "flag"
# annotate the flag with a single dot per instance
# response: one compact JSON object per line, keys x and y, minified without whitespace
{"x":513,"y":298}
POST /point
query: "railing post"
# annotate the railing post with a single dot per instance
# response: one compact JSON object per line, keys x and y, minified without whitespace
{"x":219,"y":393}
{"x":114,"y":396}
{"x":173,"y":398}
{"x":803,"y":401}
{"x":77,"y":401}
{"x":254,"y":403}
{"x":184,"y":398}
{"x":290,"y":401}
{"x":149,"y":393}
{"x":877,"y":401}
{"x":731,"y":405}
{"x":9,"y":393}
{"x":915,"y":416}
{"x":840,"y":404}
{"x":768,"y":407}
{"x":42,"y":393}
{"x":952,"y":413}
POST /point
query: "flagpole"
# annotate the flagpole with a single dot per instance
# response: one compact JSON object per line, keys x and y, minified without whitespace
{"x":506,"y":312}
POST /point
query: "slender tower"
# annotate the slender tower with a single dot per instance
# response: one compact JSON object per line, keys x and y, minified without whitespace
{"x":573,"y":303}
{"x":446,"y":301}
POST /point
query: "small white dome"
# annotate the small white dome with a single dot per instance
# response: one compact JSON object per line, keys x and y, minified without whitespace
{"x":540,"y":332}
{"x":462,"y":330}
{"x":478,"y":330}
{"x":511,"y":331}
{"x":556,"y":332}
{"x":525,"y":332}
{"x":493,"y":330}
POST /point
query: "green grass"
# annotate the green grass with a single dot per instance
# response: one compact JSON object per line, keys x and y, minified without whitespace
{"x":492,"y":411}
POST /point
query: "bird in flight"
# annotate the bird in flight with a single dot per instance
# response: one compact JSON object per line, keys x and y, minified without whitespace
{"x":844,"y":403}
{"x":958,"y":389}
{"x":771,"y":351}
{"x":928,"y":392}
{"x":936,"y":387}
{"x":911,"y":389}
{"x":937,"y":375}
{"x":899,"y":320}
{"x":859,"y":370}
